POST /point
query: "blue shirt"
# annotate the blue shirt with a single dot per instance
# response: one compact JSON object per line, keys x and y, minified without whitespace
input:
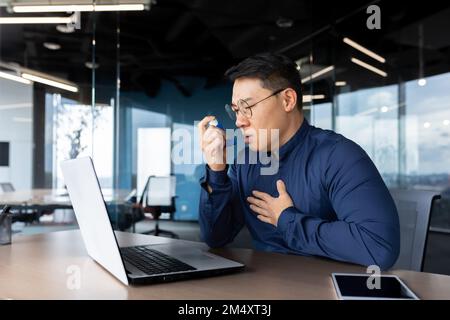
{"x":342,"y":208}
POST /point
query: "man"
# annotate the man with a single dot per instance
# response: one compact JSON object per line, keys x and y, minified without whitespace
{"x":326,"y":199}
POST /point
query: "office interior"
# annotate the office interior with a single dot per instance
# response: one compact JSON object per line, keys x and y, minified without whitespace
{"x":94,"y":84}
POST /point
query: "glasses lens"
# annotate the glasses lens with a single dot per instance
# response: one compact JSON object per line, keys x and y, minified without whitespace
{"x":231,"y":113}
{"x":244,"y":108}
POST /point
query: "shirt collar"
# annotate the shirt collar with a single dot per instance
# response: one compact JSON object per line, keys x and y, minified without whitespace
{"x":296,"y":140}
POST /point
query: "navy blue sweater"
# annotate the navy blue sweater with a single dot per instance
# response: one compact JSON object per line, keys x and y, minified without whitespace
{"x":342,"y":208}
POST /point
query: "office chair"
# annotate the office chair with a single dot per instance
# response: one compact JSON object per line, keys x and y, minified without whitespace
{"x":157,"y":197}
{"x":414,"y":210}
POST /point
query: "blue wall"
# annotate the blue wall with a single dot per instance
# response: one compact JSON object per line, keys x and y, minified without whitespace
{"x":179,"y":109}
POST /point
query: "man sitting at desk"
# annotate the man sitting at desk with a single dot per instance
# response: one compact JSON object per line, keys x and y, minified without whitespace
{"x":326,"y":198}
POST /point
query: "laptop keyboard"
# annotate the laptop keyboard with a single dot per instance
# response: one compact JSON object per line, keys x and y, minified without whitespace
{"x":153,"y":261}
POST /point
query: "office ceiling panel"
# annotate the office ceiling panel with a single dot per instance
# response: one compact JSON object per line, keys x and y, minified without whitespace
{"x":203,"y":38}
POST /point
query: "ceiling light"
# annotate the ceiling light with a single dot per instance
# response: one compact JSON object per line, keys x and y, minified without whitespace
{"x":422,"y":82}
{"x":49,"y":82}
{"x":65,"y":28}
{"x":340,"y":83}
{"x":309,"y":98}
{"x":364,"y":50}
{"x":446,"y":122}
{"x":284,"y":22}
{"x":426,"y":125}
{"x":36,"y":20}
{"x":78,"y":8}
{"x":89,"y":65}
{"x":317,"y":74}
{"x":14,"y":78}
{"x":369,"y":67}
{"x":384,"y":109}
{"x":52,"y":46}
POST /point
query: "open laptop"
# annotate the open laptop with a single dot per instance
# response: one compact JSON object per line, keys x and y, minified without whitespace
{"x":137,"y":264}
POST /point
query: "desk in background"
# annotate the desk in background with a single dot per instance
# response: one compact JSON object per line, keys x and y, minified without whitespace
{"x":52,"y":198}
{"x":40,"y":201}
{"x":39,"y":267}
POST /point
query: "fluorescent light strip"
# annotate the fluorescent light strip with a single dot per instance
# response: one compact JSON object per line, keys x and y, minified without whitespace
{"x":14,"y":78}
{"x":364,"y":50}
{"x":318,"y":73}
{"x":36,"y":20}
{"x":340,"y":83}
{"x":120,"y":7}
{"x":369,"y":67}
{"x":78,"y":8}
{"x":50,"y":82}
{"x":309,"y":98}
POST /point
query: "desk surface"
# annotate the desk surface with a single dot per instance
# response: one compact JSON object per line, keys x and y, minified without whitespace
{"x":39,"y":267}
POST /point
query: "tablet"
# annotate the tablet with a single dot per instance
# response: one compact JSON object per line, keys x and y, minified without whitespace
{"x":353,"y":286}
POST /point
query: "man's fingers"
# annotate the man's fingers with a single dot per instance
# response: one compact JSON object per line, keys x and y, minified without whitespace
{"x":257,"y":202}
{"x":281,"y":187}
{"x":259,"y":210}
{"x":213,"y":133}
{"x":264,"y":219}
{"x":214,"y":154}
{"x":261,"y":195}
{"x":202,"y":125}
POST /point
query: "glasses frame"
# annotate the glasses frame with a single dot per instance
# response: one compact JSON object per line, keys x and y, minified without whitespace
{"x":231,"y":108}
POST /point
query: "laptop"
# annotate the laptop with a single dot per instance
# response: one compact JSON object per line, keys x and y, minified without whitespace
{"x":137,"y":264}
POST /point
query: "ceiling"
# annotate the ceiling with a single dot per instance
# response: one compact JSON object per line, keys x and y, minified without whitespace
{"x":203,"y":38}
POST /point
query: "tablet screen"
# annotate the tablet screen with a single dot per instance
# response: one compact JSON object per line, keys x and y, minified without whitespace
{"x":356,"y":286}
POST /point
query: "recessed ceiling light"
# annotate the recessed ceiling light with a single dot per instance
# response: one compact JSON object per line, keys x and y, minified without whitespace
{"x":65,"y":28}
{"x":384,"y":109}
{"x":90,"y":65}
{"x":52,"y":45}
{"x":284,"y":22}
{"x":422,"y":82}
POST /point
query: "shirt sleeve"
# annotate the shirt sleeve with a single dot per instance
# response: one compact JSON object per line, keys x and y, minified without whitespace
{"x":366,"y":230}
{"x":220,"y":214}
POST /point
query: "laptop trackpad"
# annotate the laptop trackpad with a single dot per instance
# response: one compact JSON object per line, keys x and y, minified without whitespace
{"x":196,"y":257}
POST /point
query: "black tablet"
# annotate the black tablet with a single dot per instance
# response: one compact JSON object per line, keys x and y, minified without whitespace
{"x":353,"y":286}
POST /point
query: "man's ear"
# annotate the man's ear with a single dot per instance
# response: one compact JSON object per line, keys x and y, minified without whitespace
{"x":289,"y":99}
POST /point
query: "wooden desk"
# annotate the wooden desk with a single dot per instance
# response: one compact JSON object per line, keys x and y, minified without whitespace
{"x":35,"y":267}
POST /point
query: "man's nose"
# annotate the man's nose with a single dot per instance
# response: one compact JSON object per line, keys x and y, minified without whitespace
{"x":241,"y":121}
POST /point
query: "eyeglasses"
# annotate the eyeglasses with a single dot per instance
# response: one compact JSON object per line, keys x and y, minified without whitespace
{"x":244,"y":108}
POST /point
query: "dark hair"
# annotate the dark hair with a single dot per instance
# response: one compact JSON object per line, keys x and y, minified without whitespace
{"x":275,"y":71}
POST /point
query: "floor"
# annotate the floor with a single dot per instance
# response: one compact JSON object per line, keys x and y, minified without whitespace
{"x":437,"y":258}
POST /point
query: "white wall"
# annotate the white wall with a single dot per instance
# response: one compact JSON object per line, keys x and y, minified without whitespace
{"x":16,"y":128}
